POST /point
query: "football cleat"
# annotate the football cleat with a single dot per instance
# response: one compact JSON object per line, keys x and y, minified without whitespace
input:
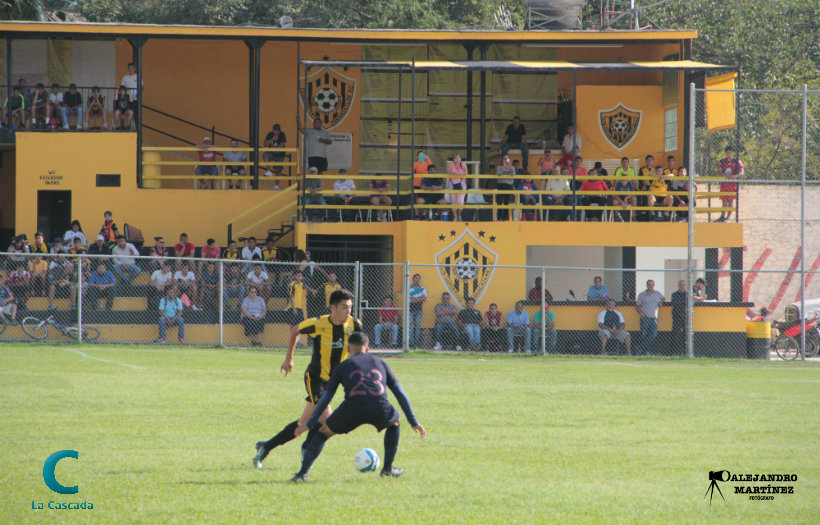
{"x":299,"y":478}
{"x":394,"y":472}
{"x":261,"y":454}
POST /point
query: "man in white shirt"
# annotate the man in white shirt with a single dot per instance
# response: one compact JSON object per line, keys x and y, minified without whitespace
{"x":568,"y":143}
{"x":259,"y":278}
{"x":647,"y":306}
{"x":238,"y":169}
{"x":160,"y":281}
{"x":186,"y":281}
{"x":124,"y":253}
{"x":317,"y":140}
{"x":251,"y":251}
{"x":611,"y":324}
{"x":550,"y":199}
{"x":130,"y":81}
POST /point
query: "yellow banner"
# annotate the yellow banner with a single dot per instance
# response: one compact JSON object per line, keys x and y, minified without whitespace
{"x":720,"y":105}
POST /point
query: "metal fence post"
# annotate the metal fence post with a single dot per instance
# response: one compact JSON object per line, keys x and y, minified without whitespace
{"x":220,"y":298}
{"x":357,"y":290}
{"x":803,"y":221}
{"x":80,"y":299}
{"x":690,"y":242}
{"x":406,"y":305}
{"x":543,"y":310}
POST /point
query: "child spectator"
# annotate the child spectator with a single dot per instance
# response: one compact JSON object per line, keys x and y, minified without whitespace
{"x":659,"y":192}
{"x":206,"y":154}
{"x":75,"y":231}
{"x":420,"y":167}
{"x":8,"y":308}
{"x":73,"y":105}
{"x":96,"y":107}
{"x":41,"y":107}
{"x":20,"y":283}
{"x":109,"y":230}
{"x":528,"y":199}
{"x":14,"y":109}
{"x":732,"y":169}
{"x":457,"y":169}
{"x":56,"y":100}
{"x":123,"y":110}
{"x":38,"y":269}
{"x":238,"y":169}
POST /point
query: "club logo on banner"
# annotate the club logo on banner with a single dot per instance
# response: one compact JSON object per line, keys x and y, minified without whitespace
{"x":329,"y":96}
{"x":620,"y":125}
{"x":466,"y":267}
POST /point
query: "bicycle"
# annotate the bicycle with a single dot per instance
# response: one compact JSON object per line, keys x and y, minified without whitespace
{"x":38,"y":329}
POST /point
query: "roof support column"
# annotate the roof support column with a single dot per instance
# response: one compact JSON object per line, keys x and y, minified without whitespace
{"x":482,"y":49}
{"x":254,"y":68}
{"x":9,"y":72}
{"x":136,"y":45}
{"x":469,"y":107}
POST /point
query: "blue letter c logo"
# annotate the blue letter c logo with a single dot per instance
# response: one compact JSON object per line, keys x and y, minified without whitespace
{"x":48,"y":472}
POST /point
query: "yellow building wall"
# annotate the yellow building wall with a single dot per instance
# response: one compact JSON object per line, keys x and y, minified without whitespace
{"x":70,"y":161}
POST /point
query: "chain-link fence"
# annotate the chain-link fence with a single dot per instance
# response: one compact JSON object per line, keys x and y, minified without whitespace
{"x":460,"y":307}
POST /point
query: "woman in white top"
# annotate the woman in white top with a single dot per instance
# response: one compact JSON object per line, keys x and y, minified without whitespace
{"x":186,"y":281}
{"x":253,"y":316}
{"x":75,"y":231}
{"x":454,"y":182}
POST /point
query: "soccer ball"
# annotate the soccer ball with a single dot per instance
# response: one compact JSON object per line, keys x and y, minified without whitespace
{"x":366,"y":460}
{"x":466,"y":268}
{"x":326,"y":100}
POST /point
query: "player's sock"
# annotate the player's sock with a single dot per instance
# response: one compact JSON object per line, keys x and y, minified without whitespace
{"x":311,"y":432}
{"x":312,"y":452}
{"x":282,"y":437}
{"x":391,"y":445}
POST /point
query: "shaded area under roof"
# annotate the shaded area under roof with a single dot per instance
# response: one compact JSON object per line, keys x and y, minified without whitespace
{"x":514,"y":65}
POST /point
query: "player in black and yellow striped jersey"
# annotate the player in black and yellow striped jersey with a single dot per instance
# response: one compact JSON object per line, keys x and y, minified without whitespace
{"x":231,"y":253}
{"x":330,"y":333}
{"x":330,"y":286}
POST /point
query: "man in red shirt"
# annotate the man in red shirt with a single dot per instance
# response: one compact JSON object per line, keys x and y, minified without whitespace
{"x":183,"y":248}
{"x":206,"y":155}
{"x":388,"y":320}
{"x":587,"y":200}
{"x":535,"y":292}
{"x":729,"y":168}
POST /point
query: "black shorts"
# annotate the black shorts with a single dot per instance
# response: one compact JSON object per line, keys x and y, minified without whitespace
{"x":320,"y":163}
{"x":431,"y":198}
{"x":234,"y":169}
{"x":315,"y":387}
{"x":351,"y":415}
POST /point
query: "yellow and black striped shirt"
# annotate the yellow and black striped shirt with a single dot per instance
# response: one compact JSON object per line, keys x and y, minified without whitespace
{"x":329,"y":343}
{"x":269,"y":254}
{"x":329,"y":289}
{"x":233,"y":255}
{"x":296,"y":295}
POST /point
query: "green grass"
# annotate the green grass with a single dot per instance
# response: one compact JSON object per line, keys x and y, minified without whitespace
{"x":511,"y":440}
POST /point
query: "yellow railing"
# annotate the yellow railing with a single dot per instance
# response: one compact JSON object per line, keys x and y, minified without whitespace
{"x":281,"y":204}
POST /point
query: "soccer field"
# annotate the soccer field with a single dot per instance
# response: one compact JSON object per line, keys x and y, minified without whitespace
{"x":166,"y":435}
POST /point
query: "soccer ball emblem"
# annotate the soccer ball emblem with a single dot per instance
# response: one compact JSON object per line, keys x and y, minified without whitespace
{"x":619,"y":125}
{"x":326,"y":100}
{"x":465,"y":268}
{"x":366,"y":460}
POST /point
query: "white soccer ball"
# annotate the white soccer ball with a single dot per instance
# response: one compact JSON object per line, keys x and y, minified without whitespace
{"x":466,"y":268}
{"x":326,"y":99}
{"x":366,"y":460}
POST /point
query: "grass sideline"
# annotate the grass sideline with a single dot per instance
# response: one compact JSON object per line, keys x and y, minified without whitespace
{"x":165,"y":435}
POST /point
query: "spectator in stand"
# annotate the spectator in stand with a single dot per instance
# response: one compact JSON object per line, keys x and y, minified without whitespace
{"x":206,"y":154}
{"x":18,"y":247}
{"x":28,"y":97}
{"x":259,"y":279}
{"x":314,"y":198}
{"x":158,"y":250}
{"x":184,"y":248}
{"x":64,"y":286}
{"x":343,"y":185}
{"x":469,"y":320}
{"x":124,"y":253}
{"x":231,"y":252}
{"x":611,"y":325}
{"x":129,"y":81}
{"x":526,"y":186}
{"x":515,"y":138}
{"x":597,"y":185}
{"x":659,"y":192}
{"x":446,"y":321}
{"x":572,"y":142}
{"x":624,"y":201}
{"x":39,"y":245}
{"x":123,"y":110}
{"x":186,"y":283}
{"x":254,"y":308}
{"x":420,"y":167}
{"x":624,"y":170}
{"x":330,"y":286}
{"x":209,"y":286}
{"x":679,"y":307}
{"x":563,"y":199}
{"x":647,"y":170}
{"x":19,"y":280}
{"x":8,"y":308}
{"x":161,"y":280}
{"x":430,"y":183}
{"x":209,"y":251}
{"x":682,"y":201}
{"x":96,"y":107}
{"x":73,"y":105}
{"x":78,"y":249}
{"x":670,"y":169}
{"x":100,"y":247}
{"x":549,"y":333}
{"x":546,"y":163}
{"x":492,"y":329}
{"x":41,"y":107}
{"x":598,"y":292}
{"x":388,"y":320}
{"x":38,"y":269}
{"x":100,"y":284}
{"x":170,"y":313}
{"x":456,"y":181}
{"x":730,"y":168}
{"x":296,"y":297}
{"x":59,"y":247}
{"x":504,"y":182}
{"x":55,"y":99}
{"x":236,"y":169}
{"x":548,"y":143}
{"x":417,"y":297}
{"x":14,"y":109}
{"x":269,"y":251}
{"x":75,"y":231}
{"x":57,"y":265}
{"x":380,"y":198}
{"x":109,"y":230}
{"x":316,"y":140}
{"x":647,"y":306}
{"x":518,"y":325}
{"x":699,"y":290}
{"x":234,"y":285}
{"x":274,"y":139}
{"x":535,"y":292}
